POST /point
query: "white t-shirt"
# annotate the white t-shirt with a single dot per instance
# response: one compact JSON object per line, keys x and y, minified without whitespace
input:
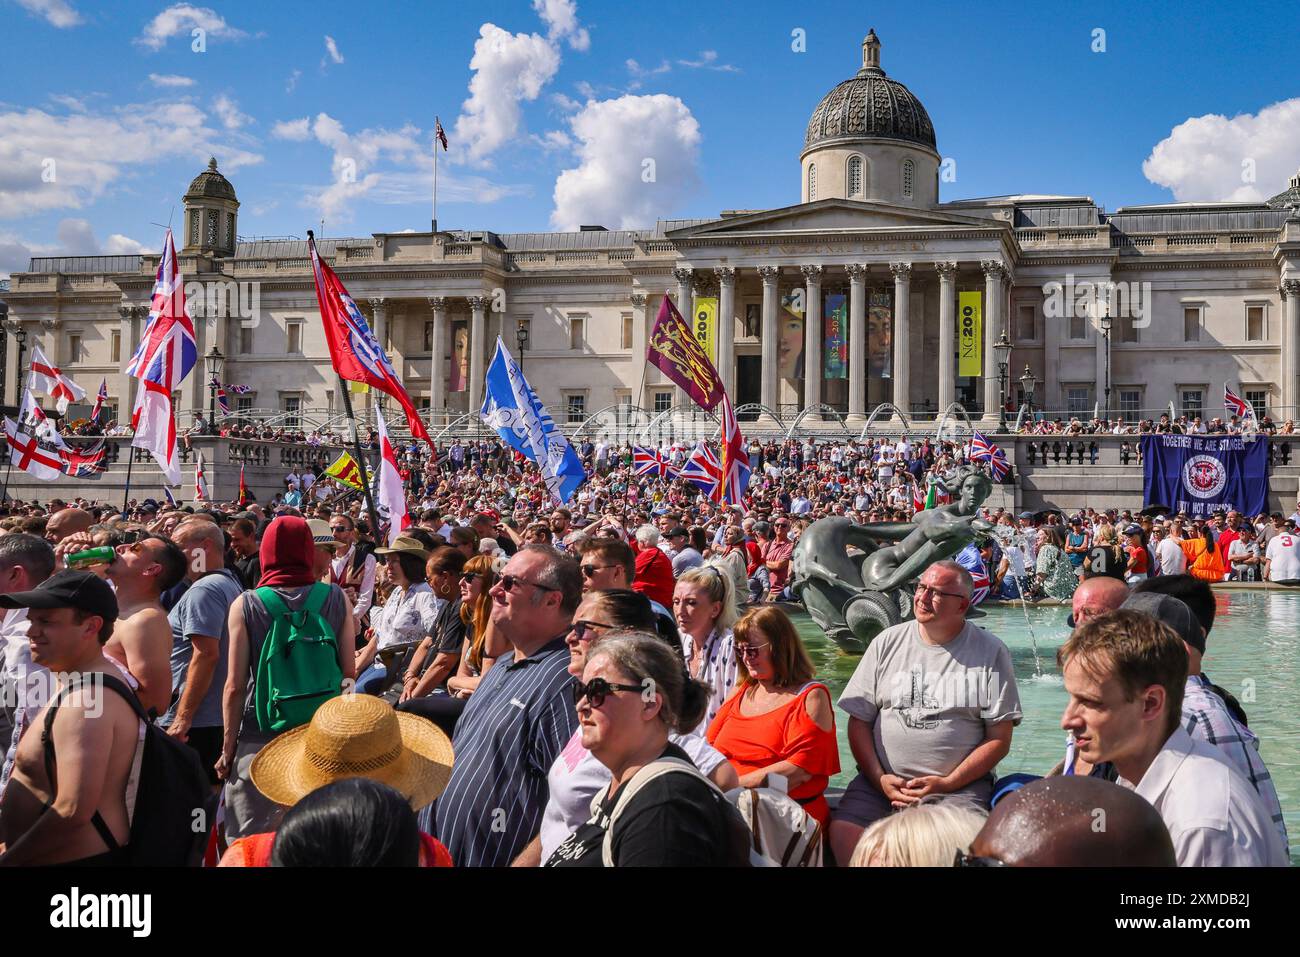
{"x":1172,"y":559}
{"x":577,"y":775}
{"x":1284,"y":557}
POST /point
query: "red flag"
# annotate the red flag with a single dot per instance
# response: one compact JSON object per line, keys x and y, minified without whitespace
{"x":354,"y":351}
{"x":243,"y":487}
{"x":674,"y":349}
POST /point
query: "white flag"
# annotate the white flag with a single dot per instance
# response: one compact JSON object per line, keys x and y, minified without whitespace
{"x":391,"y":497}
{"x":155,"y":428}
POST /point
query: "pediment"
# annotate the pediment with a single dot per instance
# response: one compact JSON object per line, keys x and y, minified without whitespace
{"x":830,"y":215}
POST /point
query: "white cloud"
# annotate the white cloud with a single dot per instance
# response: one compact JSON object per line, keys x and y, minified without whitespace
{"x":585,"y":89}
{"x":508,"y":69}
{"x":624,"y":186}
{"x":76,"y":237}
{"x":71,"y":102}
{"x":554,"y":140}
{"x":566,"y":103}
{"x":228,"y":110}
{"x":118,"y":245}
{"x":709,"y":61}
{"x":561,"y":19}
{"x":58,"y":13}
{"x":292,"y":82}
{"x":331,"y":52}
{"x":1244,"y":159}
{"x":170,"y":80}
{"x":64,"y":162}
{"x":296,"y":130}
{"x":182,"y":18}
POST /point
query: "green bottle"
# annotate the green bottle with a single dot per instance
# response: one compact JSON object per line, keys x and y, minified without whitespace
{"x":91,"y":556}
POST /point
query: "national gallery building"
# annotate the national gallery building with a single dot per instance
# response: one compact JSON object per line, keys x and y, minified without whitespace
{"x":866,"y":289}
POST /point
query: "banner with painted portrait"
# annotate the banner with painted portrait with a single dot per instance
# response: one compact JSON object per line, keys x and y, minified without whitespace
{"x":459,"y":380}
{"x":789,"y":335}
{"x":835,"y":349}
{"x":880,"y":334}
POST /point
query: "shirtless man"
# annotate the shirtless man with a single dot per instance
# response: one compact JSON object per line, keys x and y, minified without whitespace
{"x":142,"y":639}
{"x":95,"y":734}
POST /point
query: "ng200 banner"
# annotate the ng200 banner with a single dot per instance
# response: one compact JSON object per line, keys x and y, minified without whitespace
{"x":970,"y":359}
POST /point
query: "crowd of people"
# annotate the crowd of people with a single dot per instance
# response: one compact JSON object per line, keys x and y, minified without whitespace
{"x":516,"y":683}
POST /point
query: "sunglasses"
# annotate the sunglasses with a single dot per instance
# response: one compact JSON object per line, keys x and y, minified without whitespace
{"x":750,"y":652}
{"x":597,"y":689}
{"x":508,"y":583}
{"x":582,"y":628}
{"x":590,"y":570}
{"x":468,"y":577}
{"x":962,"y":859}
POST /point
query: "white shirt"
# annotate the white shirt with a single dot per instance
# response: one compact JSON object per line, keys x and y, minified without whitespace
{"x":410,"y":614}
{"x":366,"y":595}
{"x":1284,"y":557}
{"x":1214,"y":816}
{"x":1172,"y":559}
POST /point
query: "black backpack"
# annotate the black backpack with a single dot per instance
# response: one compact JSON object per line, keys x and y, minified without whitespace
{"x":173,"y":803}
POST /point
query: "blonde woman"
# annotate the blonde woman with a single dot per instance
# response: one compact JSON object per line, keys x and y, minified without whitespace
{"x":924,"y":835}
{"x":704,"y":605}
{"x":1106,"y":559}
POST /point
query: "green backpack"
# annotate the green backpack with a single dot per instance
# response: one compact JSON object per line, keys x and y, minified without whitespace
{"x":298,"y":669}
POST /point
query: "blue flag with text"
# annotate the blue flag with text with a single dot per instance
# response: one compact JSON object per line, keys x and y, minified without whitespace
{"x":1201,"y":474}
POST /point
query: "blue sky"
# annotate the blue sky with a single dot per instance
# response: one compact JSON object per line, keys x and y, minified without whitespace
{"x":551,"y":125}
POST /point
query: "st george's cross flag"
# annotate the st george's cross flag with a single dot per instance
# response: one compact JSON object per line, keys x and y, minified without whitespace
{"x":704,"y":470}
{"x":47,"y":378}
{"x":26,"y":453}
{"x":32,"y":418}
{"x":651,"y":462}
{"x":354,"y":351}
{"x":200,"y":479}
{"x":391,"y":497}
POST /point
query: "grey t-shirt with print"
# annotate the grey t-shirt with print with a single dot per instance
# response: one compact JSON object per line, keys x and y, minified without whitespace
{"x":931,"y":705}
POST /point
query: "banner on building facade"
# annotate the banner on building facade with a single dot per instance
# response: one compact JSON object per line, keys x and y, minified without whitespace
{"x":835,"y":350}
{"x":969,"y":334}
{"x":705,"y":326}
{"x":880,"y":334}
{"x":789,"y":335}
{"x":1201,"y":474}
{"x":459,"y":380}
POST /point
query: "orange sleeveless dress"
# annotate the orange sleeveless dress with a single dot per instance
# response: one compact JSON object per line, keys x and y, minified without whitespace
{"x":784,"y":734}
{"x":1203,"y":562}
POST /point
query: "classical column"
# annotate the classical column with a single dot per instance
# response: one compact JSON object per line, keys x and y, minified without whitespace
{"x":993,"y":271}
{"x":125,"y":393}
{"x":902,"y":358}
{"x":857,"y":341}
{"x":727,"y":328}
{"x":769,"y":276}
{"x":947,"y":332}
{"x":50,"y":340}
{"x":640,"y":368}
{"x":685,"y":276}
{"x":477,"y":335}
{"x":378,"y":308}
{"x":812,"y":336}
{"x":438,"y":368}
{"x":1290,"y":343}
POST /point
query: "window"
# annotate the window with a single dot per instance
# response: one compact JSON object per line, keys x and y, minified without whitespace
{"x":627,"y":330}
{"x":1191,"y":323}
{"x":1078,"y":327}
{"x":623,"y":397}
{"x":291,"y":405}
{"x":1078,"y":400}
{"x":812,"y":182}
{"x":575,"y":332}
{"x":194,"y":228}
{"x":230,"y":230}
{"x":115,"y":347}
{"x":1130,"y":404}
{"x":663,"y":401}
{"x":1258,"y":399}
{"x":909,"y":174}
{"x":246,"y":340}
{"x":1256,"y":331}
{"x":293,"y":334}
{"x":243,"y":404}
{"x":575,"y":407}
{"x":74,"y":348}
{"x":1125,"y":330}
{"x":428,"y":337}
{"x":212,"y":228}
{"x":1193,"y":401}
{"x":1025,"y":322}
{"x":855,"y":176}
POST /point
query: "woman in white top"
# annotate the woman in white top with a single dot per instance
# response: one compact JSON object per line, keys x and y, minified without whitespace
{"x":577,"y":775}
{"x":409,"y":614}
{"x":704,"y":604}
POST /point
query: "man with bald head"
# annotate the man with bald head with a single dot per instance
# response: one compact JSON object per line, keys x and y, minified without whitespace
{"x":67,"y":522}
{"x":1072,"y":822}
{"x":1096,"y":596}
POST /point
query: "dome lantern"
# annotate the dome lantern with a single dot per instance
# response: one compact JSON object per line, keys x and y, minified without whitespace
{"x":211,"y":213}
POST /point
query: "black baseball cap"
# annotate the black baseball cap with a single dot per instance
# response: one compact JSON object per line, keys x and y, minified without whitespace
{"x":678,"y":531}
{"x":1174,"y":612}
{"x":68,"y":589}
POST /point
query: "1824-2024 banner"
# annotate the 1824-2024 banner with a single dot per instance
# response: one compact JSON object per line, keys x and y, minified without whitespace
{"x":1202,"y":474}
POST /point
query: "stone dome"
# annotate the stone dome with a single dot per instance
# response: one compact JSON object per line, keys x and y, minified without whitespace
{"x":870,"y":104}
{"x":210,"y":183}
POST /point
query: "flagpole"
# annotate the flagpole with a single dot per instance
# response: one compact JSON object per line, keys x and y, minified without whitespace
{"x":435,"y":175}
{"x":361,"y":458}
{"x":130,"y":461}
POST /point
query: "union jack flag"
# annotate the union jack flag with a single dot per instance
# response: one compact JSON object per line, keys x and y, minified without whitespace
{"x":735,"y":460}
{"x":704,"y":470}
{"x":982,"y":450}
{"x":222,"y":402}
{"x":440,"y":133}
{"x":238,"y":389}
{"x":970,"y":559}
{"x":84,"y":463}
{"x":100,"y":399}
{"x":651,"y":462}
{"x":169,"y":331}
{"x":1236,"y":405}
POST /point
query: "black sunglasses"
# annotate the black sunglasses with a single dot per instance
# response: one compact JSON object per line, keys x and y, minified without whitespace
{"x":508,"y":583}
{"x":590,"y":570}
{"x":597,"y":689}
{"x":963,"y":859}
{"x":470,"y":576}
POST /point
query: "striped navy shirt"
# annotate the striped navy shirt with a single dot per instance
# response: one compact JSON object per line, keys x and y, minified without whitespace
{"x":510,"y":733}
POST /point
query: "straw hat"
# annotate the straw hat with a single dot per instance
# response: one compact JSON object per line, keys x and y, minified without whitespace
{"x":356,"y":735}
{"x":405,"y":546}
{"x":321,"y":533}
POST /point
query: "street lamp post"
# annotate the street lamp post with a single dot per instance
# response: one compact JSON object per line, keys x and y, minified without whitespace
{"x":215,"y":362}
{"x":20,"y":337}
{"x":1028,"y":382}
{"x":4,"y":347}
{"x":521,"y":340}
{"x":1002,"y":350}
{"x":1106,"y":322}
